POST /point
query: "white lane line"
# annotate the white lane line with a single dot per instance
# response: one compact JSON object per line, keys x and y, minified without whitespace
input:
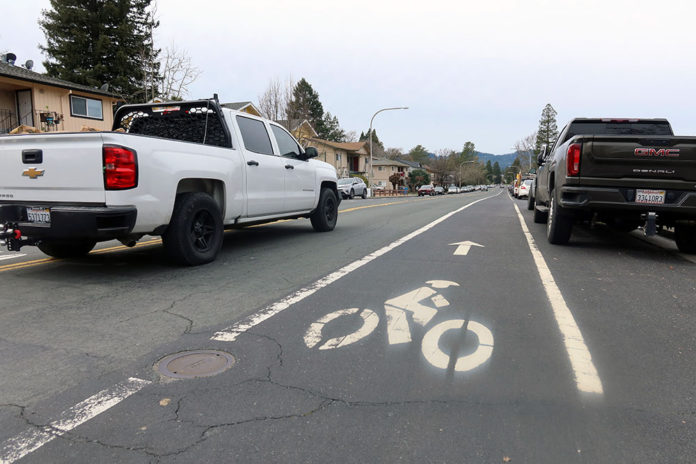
{"x":31,"y":440}
{"x":230,"y":334}
{"x":586,"y":376}
{"x":19,"y":255}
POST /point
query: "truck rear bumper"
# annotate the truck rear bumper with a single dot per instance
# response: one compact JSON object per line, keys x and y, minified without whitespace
{"x":94,"y":222}
{"x":678,"y":203}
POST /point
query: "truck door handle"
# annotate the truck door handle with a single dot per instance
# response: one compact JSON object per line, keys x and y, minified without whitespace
{"x":289,"y":166}
{"x":32,"y":156}
{"x":253,"y":163}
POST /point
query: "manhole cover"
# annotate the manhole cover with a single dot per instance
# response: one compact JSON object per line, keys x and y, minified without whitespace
{"x":192,"y":364}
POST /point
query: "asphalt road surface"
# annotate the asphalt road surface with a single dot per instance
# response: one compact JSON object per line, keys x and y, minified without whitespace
{"x":438,"y":330}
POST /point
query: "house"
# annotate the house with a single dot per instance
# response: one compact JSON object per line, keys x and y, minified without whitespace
{"x":246,"y":107}
{"x":50,"y":104}
{"x":349,"y":158}
{"x":382,"y":169}
{"x":302,"y":130}
{"x":412,"y":165}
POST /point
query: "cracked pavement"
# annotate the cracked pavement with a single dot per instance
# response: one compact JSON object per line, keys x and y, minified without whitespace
{"x":368,"y":401}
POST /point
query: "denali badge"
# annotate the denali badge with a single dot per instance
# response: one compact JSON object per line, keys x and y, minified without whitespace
{"x":654,"y":171}
{"x":33,"y":173}
{"x":662,"y":152}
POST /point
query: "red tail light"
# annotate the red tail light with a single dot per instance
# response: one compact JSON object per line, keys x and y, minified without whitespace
{"x":573,"y":159}
{"x":120,"y":168}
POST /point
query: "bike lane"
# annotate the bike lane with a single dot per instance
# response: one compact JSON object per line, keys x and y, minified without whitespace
{"x":439,"y":350}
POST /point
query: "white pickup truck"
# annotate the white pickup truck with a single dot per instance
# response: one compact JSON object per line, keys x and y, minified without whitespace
{"x":184,"y":170}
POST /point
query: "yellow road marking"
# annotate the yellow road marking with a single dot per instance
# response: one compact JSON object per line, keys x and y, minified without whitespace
{"x":36,"y":262}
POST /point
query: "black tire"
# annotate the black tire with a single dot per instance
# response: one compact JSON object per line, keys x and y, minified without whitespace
{"x":559,"y":225}
{"x":685,"y":237}
{"x":325,"y":216}
{"x":364,"y":194}
{"x":67,"y":248}
{"x":195,"y":233}
{"x":352,"y":194}
{"x":530,"y":201}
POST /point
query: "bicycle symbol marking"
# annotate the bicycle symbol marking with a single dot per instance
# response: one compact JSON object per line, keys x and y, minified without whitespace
{"x":417,"y":303}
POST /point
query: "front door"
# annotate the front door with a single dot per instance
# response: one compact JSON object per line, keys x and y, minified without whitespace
{"x":25,"y":109}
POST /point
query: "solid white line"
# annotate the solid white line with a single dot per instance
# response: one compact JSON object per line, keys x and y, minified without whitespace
{"x":230,"y":334}
{"x":586,"y":376}
{"x":31,"y":440}
{"x":2,"y":258}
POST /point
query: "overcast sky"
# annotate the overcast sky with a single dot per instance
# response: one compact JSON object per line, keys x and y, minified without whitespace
{"x":477,"y":71}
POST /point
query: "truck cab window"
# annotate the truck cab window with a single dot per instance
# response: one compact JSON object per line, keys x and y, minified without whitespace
{"x":286,"y":144}
{"x":255,"y":136}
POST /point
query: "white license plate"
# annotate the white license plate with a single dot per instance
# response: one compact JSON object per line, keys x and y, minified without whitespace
{"x":42,"y":215}
{"x":650,"y":197}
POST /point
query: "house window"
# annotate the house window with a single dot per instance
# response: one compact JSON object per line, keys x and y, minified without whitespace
{"x":379,"y":168}
{"x":85,"y":107}
{"x":338,"y":157}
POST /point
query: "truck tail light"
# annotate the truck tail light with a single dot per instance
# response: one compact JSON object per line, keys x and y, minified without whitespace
{"x":573,"y":159}
{"x":120,"y":168}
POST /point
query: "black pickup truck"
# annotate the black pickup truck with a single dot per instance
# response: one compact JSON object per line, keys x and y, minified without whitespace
{"x":623,"y":172}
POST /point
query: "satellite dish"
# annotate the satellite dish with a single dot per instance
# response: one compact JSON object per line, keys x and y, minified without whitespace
{"x":11,"y":58}
{"x":104,"y":88}
{"x":29,"y":64}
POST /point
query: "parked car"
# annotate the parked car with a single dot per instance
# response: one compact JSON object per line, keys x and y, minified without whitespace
{"x":452,"y":189}
{"x":524,"y":188}
{"x":439,"y":190}
{"x":352,"y":186}
{"x":184,"y":170}
{"x":427,"y":189}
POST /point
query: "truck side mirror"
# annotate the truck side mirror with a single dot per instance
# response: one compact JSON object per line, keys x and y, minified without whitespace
{"x":310,"y":152}
{"x":542,"y":155}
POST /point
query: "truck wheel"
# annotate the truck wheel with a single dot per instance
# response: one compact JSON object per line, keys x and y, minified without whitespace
{"x":559,"y":225}
{"x":67,"y":248}
{"x":195,"y":232}
{"x":325,"y":216}
{"x":540,"y":217}
{"x":352,"y":194}
{"x":685,"y":236}
{"x":364,"y":194}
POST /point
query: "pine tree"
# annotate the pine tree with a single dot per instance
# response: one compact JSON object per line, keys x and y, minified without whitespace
{"x":376,"y":142}
{"x":332,"y":129}
{"x":305,"y":104}
{"x":94,"y":42}
{"x":548,"y":129}
{"x":419,"y":154}
{"x":496,"y":173}
{"x":489,"y":171}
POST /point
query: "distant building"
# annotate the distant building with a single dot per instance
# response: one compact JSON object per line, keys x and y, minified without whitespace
{"x":349,"y":158}
{"x":246,"y":107}
{"x":383,"y":169}
{"x":49,"y":104}
{"x":301,"y":129}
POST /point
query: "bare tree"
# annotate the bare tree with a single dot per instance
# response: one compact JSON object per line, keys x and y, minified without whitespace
{"x":394,"y":153}
{"x":351,"y":136}
{"x":177,"y":73}
{"x":525,"y":149}
{"x":441,"y":167}
{"x":274,"y":101}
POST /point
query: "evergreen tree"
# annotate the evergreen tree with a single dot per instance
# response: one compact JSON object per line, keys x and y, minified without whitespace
{"x":332,"y":129}
{"x":548,"y":129}
{"x":419,"y":154}
{"x":496,"y":173}
{"x":305,"y":104}
{"x":489,"y":171}
{"x":468,"y":153}
{"x":101,"y":42}
{"x":376,"y":142}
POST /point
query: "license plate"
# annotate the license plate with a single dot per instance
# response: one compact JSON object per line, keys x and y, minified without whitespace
{"x":650,"y":197}
{"x":42,"y":215}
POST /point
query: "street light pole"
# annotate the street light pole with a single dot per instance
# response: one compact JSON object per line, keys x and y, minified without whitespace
{"x":369,"y":174}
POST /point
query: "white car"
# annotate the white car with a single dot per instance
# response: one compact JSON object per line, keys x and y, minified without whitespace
{"x":352,"y":186}
{"x":452,"y":189}
{"x":182,"y":170}
{"x":524,"y":188}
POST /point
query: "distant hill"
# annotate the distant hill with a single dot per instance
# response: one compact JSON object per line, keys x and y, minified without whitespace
{"x":503,"y":160}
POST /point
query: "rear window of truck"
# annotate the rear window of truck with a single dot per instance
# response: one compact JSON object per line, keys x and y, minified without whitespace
{"x":619,"y":128}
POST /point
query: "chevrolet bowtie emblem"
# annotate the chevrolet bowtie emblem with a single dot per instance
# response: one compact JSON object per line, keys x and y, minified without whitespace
{"x":33,"y":173}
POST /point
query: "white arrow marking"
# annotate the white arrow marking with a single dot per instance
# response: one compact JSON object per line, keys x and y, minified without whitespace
{"x":463,"y":247}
